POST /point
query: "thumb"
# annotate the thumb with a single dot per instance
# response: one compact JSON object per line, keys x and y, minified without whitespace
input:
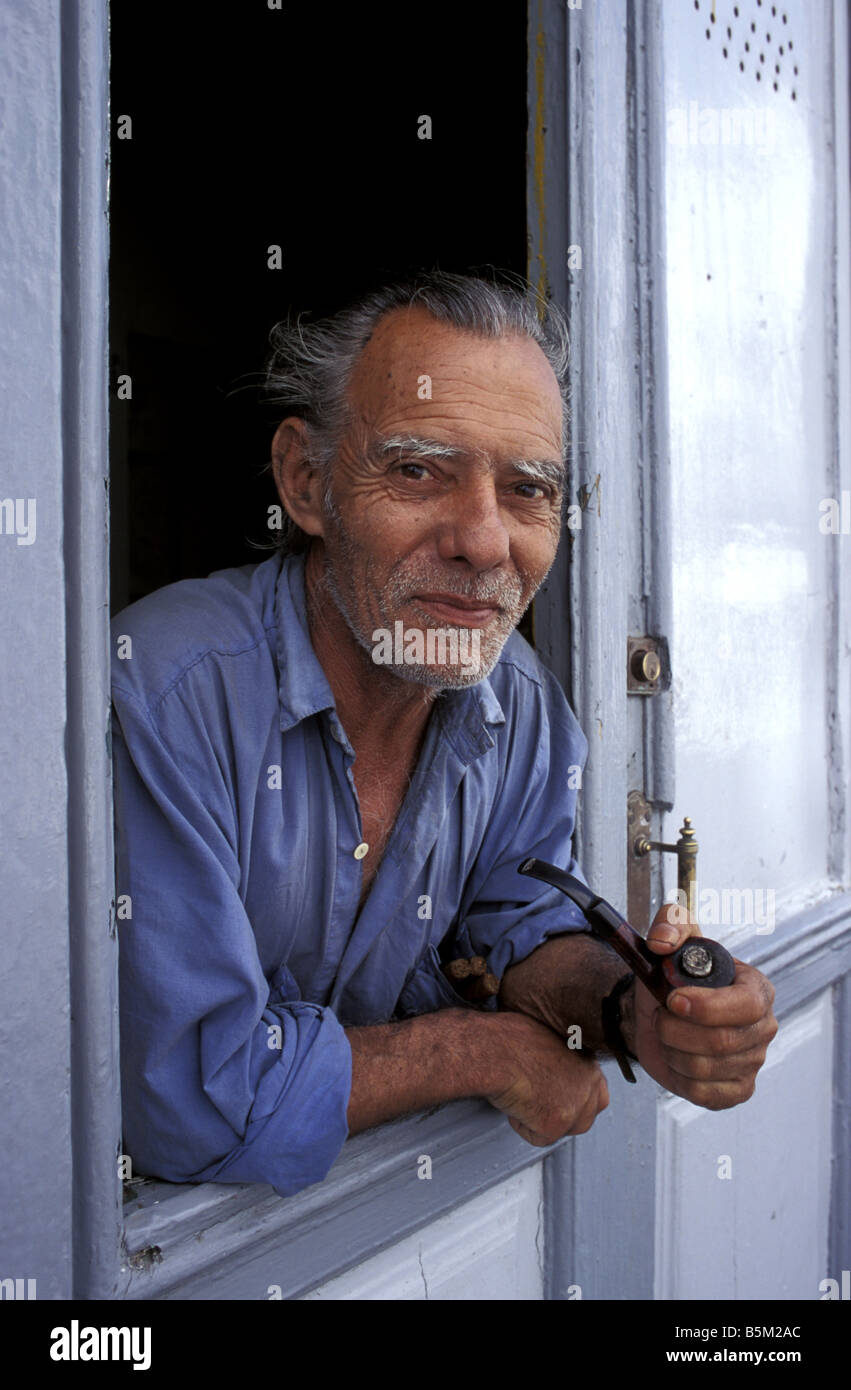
{"x":671,"y":926}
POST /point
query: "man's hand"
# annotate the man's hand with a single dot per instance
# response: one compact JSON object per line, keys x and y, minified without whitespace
{"x":706,"y":1045}
{"x":548,"y":1090}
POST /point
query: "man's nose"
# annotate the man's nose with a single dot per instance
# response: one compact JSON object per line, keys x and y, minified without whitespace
{"x":473,"y":528}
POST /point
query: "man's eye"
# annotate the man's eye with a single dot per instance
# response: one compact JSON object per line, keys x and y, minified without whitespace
{"x":535,"y":492}
{"x":415,"y":471}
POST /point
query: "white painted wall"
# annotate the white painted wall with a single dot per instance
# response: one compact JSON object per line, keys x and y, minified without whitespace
{"x":486,"y":1249}
{"x":760,"y":1232}
{"x":749,"y":300}
{"x":749,"y":186}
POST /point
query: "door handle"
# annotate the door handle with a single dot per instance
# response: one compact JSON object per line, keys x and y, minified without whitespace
{"x":639,"y":820}
{"x":685,"y":849}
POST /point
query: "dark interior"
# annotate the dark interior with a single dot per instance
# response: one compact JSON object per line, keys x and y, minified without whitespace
{"x":298,"y":127}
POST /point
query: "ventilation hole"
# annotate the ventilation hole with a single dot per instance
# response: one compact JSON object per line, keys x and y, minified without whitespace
{"x":712,"y":18}
{"x":747,"y":48}
{"x":795,"y":70}
{"x":724,"y":51}
{"x":697,"y":4}
{"x":791,"y":45}
{"x":759,"y":76}
{"x":774,"y":9}
{"x":794,"y":97}
{"x":780,"y":49}
{"x":709,"y":33}
{"x":783,"y":17}
{"x":762,"y":57}
{"x":736,"y":11}
{"x":741,"y":67}
{"x":774,"y":85}
{"x":776,"y":67}
{"x":729,"y":32}
{"x":753,"y":27}
{"x":768,"y":38}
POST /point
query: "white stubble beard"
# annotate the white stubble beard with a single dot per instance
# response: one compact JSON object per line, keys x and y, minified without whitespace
{"x":508,"y":594}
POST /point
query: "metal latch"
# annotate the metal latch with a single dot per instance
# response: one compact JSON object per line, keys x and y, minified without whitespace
{"x":647,"y":665}
{"x":639,"y":846}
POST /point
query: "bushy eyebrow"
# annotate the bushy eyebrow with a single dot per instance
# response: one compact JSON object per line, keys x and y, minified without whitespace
{"x":418,"y":447}
{"x":540,"y":470}
{"x":415,"y":446}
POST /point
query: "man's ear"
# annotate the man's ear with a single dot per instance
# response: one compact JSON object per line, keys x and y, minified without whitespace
{"x":296,"y":478}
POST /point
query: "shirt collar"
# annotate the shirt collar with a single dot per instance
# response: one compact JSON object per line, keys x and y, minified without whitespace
{"x":303,"y":687}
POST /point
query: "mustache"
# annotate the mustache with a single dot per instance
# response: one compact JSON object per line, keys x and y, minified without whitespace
{"x":504,"y":590}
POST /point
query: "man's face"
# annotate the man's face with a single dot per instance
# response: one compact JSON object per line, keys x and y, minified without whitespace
{"x":447,"y":493}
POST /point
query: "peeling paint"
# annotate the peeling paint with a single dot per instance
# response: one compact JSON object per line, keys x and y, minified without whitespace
{"x":147,"y":1258}
{"x":585,"y":493}
{"x":539,"y":1231}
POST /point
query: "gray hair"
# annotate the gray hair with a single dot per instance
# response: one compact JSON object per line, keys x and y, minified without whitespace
{"x":308,"y":370}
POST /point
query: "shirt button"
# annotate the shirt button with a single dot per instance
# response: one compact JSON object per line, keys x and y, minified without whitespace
{"x":362,"y":850}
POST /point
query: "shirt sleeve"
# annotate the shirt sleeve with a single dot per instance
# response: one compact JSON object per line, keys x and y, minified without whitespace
{"x":506,"y":915}
{"x":226,"y":1076}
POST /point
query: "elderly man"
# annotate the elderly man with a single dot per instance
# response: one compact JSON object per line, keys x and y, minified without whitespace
{"x":313,"y":819}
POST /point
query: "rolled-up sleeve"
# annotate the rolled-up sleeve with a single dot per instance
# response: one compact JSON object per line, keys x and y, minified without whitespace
{"x":226,"y":1075}
{"x":507,"y":915}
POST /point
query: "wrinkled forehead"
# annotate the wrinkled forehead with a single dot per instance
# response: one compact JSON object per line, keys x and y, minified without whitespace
{"x":417,"y":370}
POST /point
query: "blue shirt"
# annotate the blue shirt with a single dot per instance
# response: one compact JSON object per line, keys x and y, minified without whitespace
{"x":243,"y":956}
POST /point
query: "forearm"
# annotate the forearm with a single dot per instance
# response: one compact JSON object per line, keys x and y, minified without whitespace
{"x":563,"y":984}
{"x":401,"y":1068}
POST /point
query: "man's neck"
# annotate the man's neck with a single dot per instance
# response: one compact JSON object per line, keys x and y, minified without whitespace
{"x":381,"y":714}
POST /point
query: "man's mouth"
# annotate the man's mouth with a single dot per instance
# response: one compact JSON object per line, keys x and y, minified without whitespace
{"x":461,"y":612}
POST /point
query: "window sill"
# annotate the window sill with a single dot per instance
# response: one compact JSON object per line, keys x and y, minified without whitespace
{"x":243,"y":1241}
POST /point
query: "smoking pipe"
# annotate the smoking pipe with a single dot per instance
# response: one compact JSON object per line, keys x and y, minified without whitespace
{"x":698,"y":961}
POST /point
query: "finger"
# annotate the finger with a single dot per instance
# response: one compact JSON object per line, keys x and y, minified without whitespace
{"x":748,"y":999}
{"x":597,"y":1100}
{"x":582,"y":1123}
{"x":603,"y":1096}
{"x":675,"y":1035}
{"x":715,"y":1095}
{"x":531,"y":1136}
{"x":719,"y":1043}
{"x":671,"y":926}
{"x":699,"y":1068}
